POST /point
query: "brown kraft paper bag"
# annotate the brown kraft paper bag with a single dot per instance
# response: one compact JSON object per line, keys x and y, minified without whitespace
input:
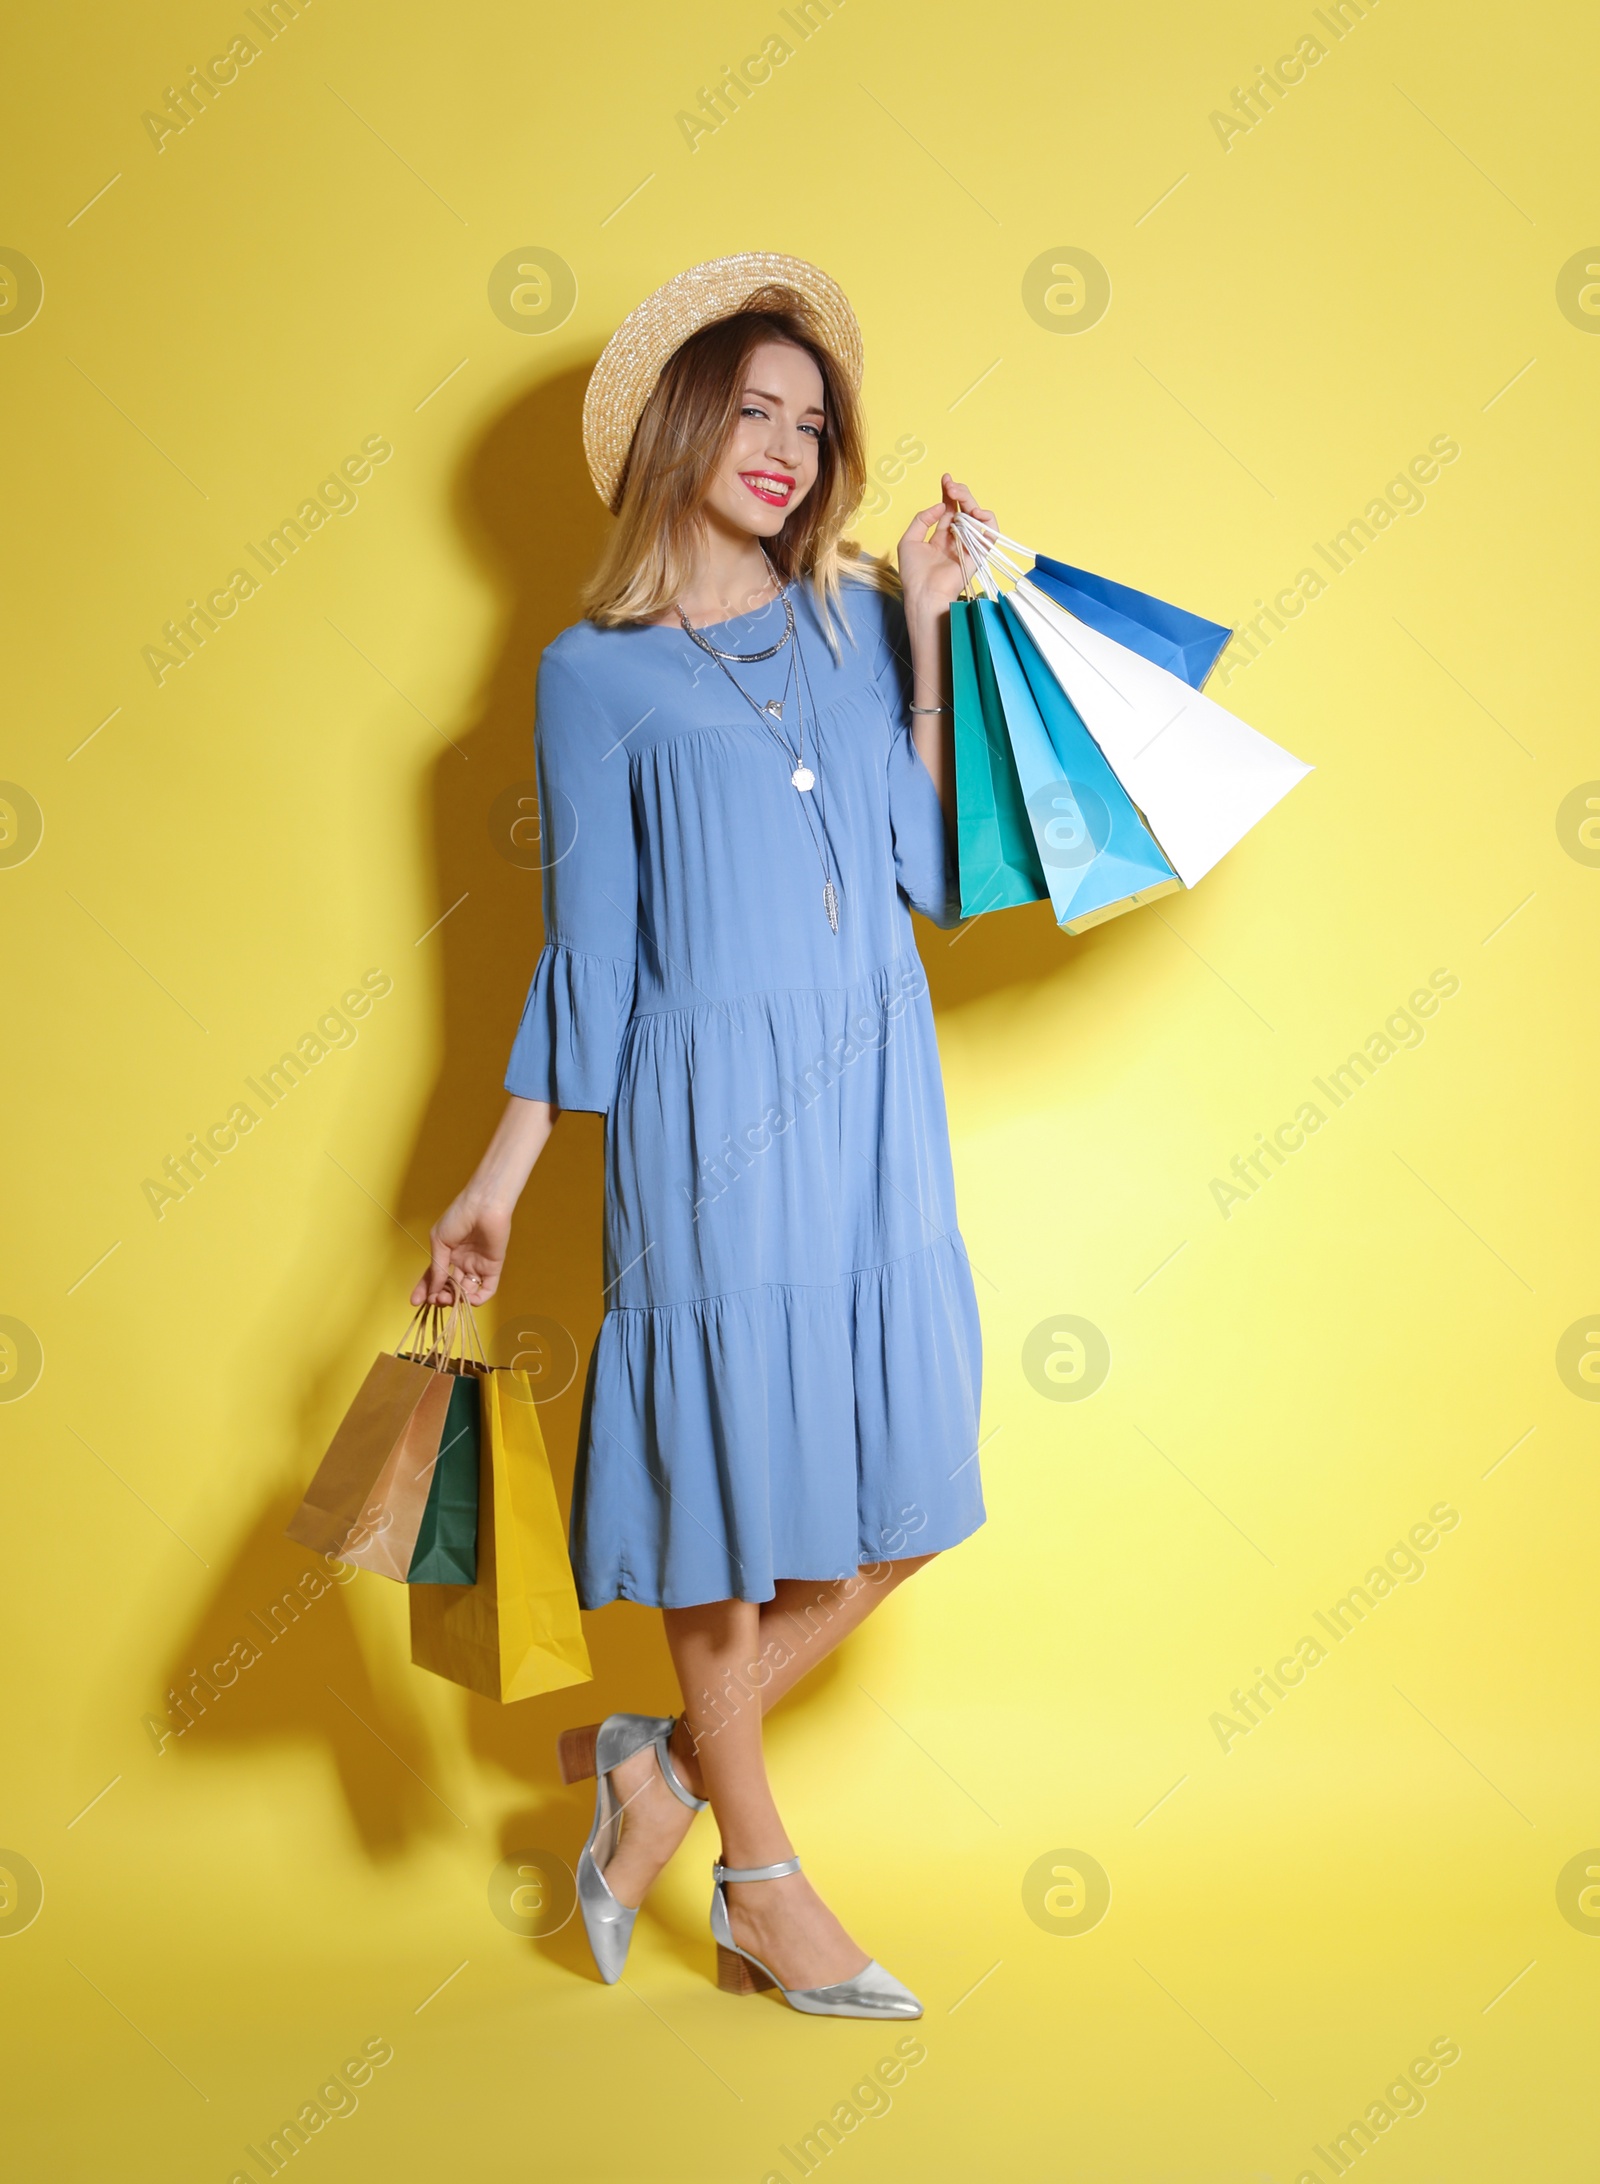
{"x":365,"y":1504}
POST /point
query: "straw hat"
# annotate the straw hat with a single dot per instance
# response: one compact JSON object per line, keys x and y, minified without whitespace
{"x":632,"y":360}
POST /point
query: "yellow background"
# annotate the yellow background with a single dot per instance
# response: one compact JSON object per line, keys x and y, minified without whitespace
{"x":1373,"y":1866}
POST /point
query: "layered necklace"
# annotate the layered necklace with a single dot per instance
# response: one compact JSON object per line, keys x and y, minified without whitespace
{"x":770,"y":715}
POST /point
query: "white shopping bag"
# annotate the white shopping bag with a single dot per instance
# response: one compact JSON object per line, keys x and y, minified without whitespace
{"x":1200,"y":776}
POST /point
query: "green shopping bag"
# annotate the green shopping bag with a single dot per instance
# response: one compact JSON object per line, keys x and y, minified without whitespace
{"x":998,"y":862}
{"x":446,"y":1552}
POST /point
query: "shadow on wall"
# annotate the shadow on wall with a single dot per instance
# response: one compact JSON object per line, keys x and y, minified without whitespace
{"x":276,"y":1650}
{"x":275,"y":1658}
{"x":530,"y":516}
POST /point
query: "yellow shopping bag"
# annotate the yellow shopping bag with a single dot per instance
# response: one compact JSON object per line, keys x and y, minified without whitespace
{"x":515,"y":1633}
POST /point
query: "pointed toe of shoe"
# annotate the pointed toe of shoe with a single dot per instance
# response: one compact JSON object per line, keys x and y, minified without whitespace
{"x":608,"y":1924}
{"x":609,"y":1942}
{"x":895,"y":1996}
{"x":872,"y":1993}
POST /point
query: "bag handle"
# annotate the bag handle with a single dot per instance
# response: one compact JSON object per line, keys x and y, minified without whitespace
{"x":972,"y":572}
{"x":450,"y":1331}
{"x":473,"y":1356}
{"x":445,"y":1320}
{"x":403,"y":1348}
{"x":986,"y":543}
{"x":989,"y":536}
{"x":975,"y":549}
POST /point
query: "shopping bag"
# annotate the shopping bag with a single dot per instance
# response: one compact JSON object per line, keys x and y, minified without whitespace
{"x":446,"y":1552}
{"x":996,"y":858}
{"x":1097,"y":858}
{"x":516,"y":1631}
{"x":1185,"y":644}
{"x":366,"y":1503}
{"x":1199,"y":776}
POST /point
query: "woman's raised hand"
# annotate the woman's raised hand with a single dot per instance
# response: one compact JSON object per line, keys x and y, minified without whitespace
{"x":930,"y":566}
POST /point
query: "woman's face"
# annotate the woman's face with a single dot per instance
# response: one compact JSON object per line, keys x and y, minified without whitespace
{"x":771,"y":462}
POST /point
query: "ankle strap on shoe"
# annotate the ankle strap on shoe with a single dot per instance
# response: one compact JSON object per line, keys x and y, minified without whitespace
{"x":669,"y":1773}
{"x":721,"y":1873}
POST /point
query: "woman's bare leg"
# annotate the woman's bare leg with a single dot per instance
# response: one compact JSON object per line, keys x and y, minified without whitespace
{"x":784,"y":1922}
{"x":798,"y":1627}
{"x":770,"y":1650}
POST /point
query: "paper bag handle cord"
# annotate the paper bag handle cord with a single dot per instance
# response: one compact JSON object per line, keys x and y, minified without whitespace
{"x":434,"y":1340}
{"x":969,"y":568}
{"x":463,"y":1337}
{"x":447,"y":1331}
{"x":979,"y":569}
{"x":975,"y":547}
{"x":987,"y":544}
{"x":991,"y":558}
{"x":471,"y":1335}
{"x":444,"y":1334}
{"x":422,"y":1346}
{"x":451,"y":1331}
{"x":989,"y":534}
{"x":404,"y":1344}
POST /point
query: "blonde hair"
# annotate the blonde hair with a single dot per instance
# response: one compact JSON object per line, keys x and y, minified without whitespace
{"x":681,"y":437}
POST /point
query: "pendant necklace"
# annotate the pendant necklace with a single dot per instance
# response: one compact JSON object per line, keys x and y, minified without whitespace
{"x":770,"y":715}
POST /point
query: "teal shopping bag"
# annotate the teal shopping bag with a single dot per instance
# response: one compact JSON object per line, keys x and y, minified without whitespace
{"x":997,"y":861}
{"x":1097,"y":856}
{"x":446,"y":1552}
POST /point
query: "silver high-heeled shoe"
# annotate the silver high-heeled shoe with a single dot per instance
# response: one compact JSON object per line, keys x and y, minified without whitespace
{"x":595,"y":1750}
{"x":872,"y":1992}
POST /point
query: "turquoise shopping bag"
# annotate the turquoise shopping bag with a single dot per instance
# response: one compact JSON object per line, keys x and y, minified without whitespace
{"x":1097,"y":856}
{"x":998,"y":863}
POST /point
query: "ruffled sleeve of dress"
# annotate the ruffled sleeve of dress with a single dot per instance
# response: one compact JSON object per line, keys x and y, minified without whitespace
{"x":923,"y":862}
{"x":581,"y":996}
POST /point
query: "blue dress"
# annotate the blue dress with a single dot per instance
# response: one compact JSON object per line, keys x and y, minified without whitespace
{"x":786,"y":1380}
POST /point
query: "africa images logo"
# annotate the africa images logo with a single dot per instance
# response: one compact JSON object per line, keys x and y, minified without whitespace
{"x":717,"y":105}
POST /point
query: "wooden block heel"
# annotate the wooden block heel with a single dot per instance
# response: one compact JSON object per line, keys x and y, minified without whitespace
{"x":737,"y":1975}
{"x":575,"y":1752}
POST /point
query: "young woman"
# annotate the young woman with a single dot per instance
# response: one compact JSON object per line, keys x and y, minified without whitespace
{"x":745,"y":775}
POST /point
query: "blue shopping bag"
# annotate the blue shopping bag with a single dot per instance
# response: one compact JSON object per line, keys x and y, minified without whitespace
{"x":1097,"y":856}
{"x":1185,"y":644}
